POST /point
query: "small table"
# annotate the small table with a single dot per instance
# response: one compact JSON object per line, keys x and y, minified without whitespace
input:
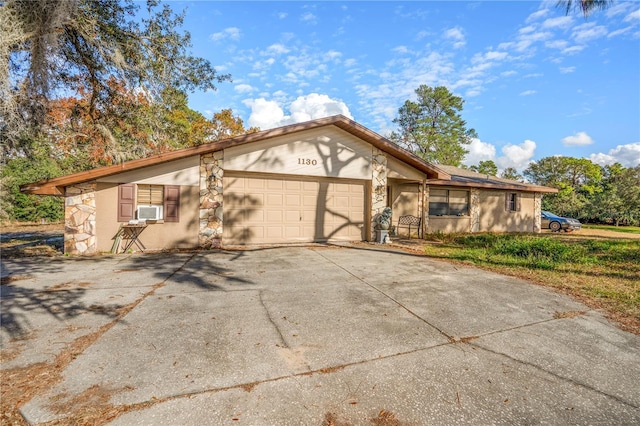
{"x":131,"y":233}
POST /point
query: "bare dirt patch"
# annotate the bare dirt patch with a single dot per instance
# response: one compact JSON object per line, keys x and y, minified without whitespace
{"x":599,"y":233}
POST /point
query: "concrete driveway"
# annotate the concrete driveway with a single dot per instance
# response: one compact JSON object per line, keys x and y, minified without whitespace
{"x":310,"y":335}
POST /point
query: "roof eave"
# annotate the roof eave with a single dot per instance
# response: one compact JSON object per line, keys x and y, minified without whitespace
{"x":492,"y":185}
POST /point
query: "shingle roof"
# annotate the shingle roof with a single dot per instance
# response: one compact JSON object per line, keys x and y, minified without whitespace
{"x":465,"y":177}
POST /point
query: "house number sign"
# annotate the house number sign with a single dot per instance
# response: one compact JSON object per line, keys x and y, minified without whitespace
{"x":307,"y":162}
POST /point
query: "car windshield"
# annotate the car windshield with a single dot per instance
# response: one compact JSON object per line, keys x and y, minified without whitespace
{"x":549,"y":214}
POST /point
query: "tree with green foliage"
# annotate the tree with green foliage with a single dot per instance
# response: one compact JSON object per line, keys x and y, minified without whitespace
{"x":487,"y":167}
{"x":511,"y":173}
{"x":577,"y":180}
{"x":618,"y":201}
{"x":432,"y":127}
{"x":55,"y":48}
{"x":17,"y":206}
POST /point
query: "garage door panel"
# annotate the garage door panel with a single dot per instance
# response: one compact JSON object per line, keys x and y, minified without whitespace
{"x":273,"y":184}
{"x":273,"y":200}
{"x":276,"y":209}
{"x":292,"y":216}
{"x":273,"y":216}
{"x":254,"y":183}
{"x":292,"y":200}
{"x":292,"y":185}
{"x":310,"y":186}
{"x":254,"y":215}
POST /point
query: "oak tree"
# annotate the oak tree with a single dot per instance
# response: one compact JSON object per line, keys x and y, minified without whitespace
{"x":55,"y":48}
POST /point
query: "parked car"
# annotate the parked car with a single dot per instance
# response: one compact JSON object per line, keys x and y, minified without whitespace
{"x":557,"y":223}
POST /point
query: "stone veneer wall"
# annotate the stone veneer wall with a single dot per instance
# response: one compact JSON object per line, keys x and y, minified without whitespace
{"x":537,"y":212}
{"x":211,"y":192}
{"x":379,"y":186}
{"x":80,"y":219}
{"x":424,"y":208}
{"x":474,"y":209}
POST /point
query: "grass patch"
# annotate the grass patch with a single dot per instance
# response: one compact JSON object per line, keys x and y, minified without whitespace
{"x":625,"y":229}
{"x":603,"y":273}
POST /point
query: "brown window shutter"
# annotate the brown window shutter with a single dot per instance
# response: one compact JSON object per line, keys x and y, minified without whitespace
{"x":507,"y":196}
{"x":126,"y":202}
{"x":172,"y":203}
{"x":518,"y":196}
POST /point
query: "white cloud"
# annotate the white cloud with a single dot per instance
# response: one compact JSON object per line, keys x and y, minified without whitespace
{"x":572,"y":50}
{"x":456,"y":36}
{"x":282,"y":15}
{"x":332,"y":55}
{"x":508,"y":73}
{"x":232,"y":33}
{"x":243,"y":88}
{"x":620,"y":31}
{"x":495,"y":56}
{"x":537,"y":15}
{"x":277,"y":49}
{"x":560,"y":21}
{"x":557,"y":44}
{"x":589,"y":31}
{"x":516,"y":156}
{"x":579,"y":139}
{"x":269,"y":114}
{"x":628,"y":155}
{"x":567,"y":70}
{"x":479,"y":151}
{"x":308,"y":17}
{"x":528,"y":93}
{"x":633,"y":16}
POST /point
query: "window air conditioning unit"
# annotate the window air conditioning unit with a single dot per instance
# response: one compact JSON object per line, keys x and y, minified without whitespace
{"x":149,"y":212}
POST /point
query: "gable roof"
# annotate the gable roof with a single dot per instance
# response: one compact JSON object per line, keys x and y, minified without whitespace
{"x":436,"y":174}
{"x":55,"y":186}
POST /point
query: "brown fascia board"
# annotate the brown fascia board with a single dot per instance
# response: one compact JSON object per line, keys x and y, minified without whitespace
{"x":493,"y":185}
{"x":55,"y":186}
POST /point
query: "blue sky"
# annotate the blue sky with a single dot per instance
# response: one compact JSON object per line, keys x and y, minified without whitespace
{"x":536,"y":82}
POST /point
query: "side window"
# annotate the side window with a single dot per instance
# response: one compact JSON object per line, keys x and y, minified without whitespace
{"x":448,"y":202}
{"x":149,"y":202}
{"x":512,"y":202}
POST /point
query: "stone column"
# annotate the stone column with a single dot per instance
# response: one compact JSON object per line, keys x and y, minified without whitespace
{"x":211,"y":192}
{"x":378,"y":186}
{"x":80,"y":219}
{"x":474,"y":209}
{"x":537,"y":212}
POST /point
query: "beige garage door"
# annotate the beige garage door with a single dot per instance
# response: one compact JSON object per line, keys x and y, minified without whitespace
{"x":263,"y":209}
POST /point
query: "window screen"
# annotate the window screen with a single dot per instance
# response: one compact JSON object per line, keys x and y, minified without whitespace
{"x":448,"y":202}
{"x":438,"y":202}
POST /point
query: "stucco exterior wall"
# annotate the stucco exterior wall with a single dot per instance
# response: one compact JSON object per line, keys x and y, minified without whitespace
{"x":157,"y":236}
{"x":449,"y":224}
{"x":494,"y":217}
{"x":324,"y":152}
